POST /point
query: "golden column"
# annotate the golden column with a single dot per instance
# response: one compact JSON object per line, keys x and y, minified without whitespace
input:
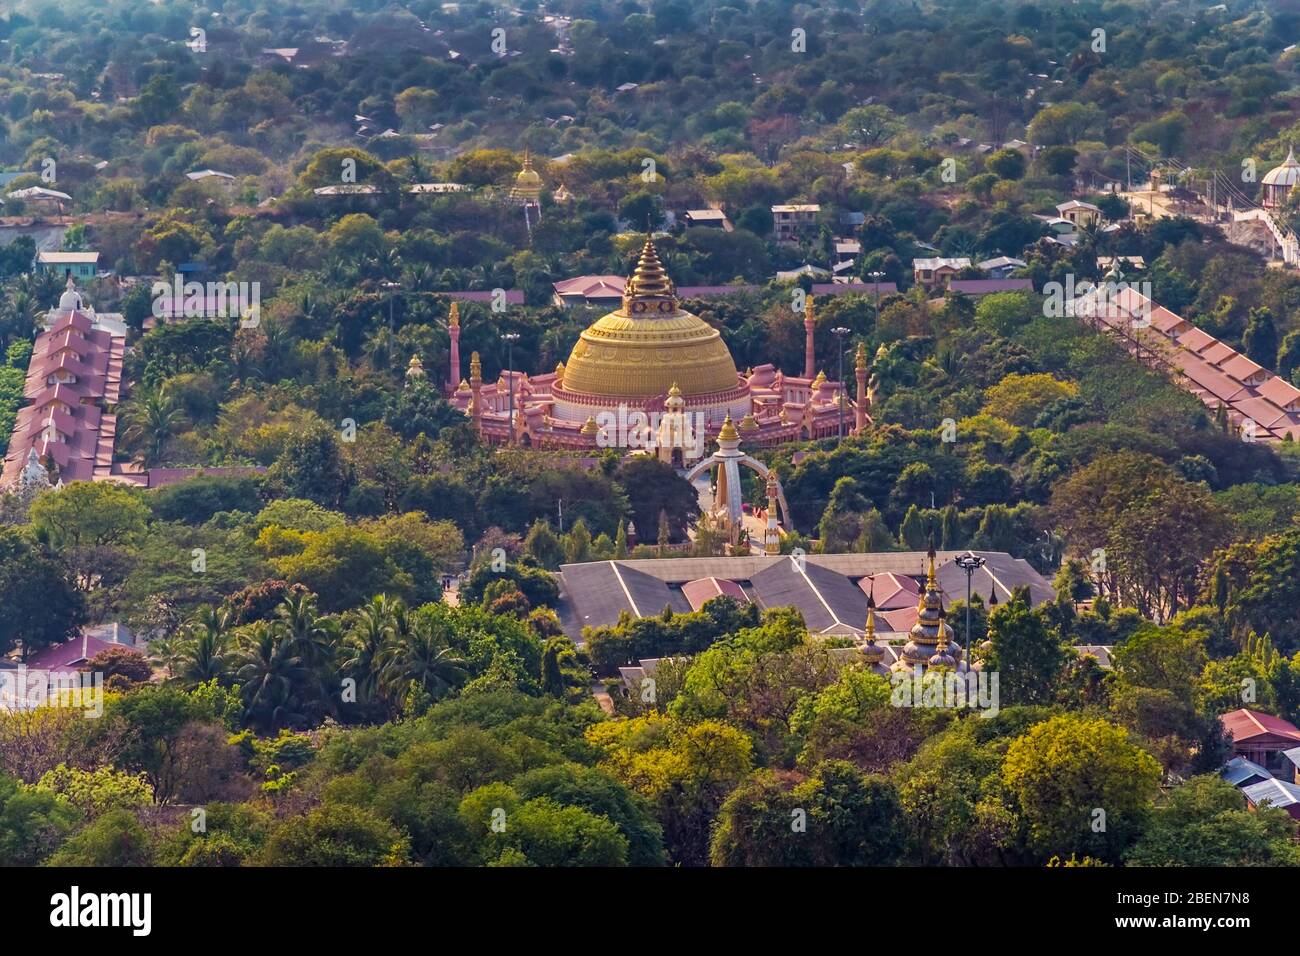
{"x":476,"y":388}
{"x":772,"y":537}
{"x":453,"y":328}
{"x":864,"y":400}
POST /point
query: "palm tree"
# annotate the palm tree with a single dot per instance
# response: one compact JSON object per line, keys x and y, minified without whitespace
{"x":270,"y":676}
{"x":370,"y":629}
{"x":312,"y":636}
{"x":277,"y":341}
{"x":152,"y":420}
{"x":167,"y":653}
{"x":421,"y":658}
{"x":205,"y":651}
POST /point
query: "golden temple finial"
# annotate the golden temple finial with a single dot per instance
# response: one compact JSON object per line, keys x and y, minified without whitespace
{"x":589,"y":427}
{"x":649,"y":280}
{"x":559,"y":373}
{"x":749,"y":423}
{"x":475,"y":369}
{"x":930,"y":580}
{"x":871,"y":652}
{"x":728,"y":432}
{"x":453,"y":316}
{"x":808,"y":316}
{"x":820,"y":380}
{"x":860,"y":359}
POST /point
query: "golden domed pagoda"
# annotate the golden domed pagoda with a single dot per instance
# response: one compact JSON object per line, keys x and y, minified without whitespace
{"x":528,"y":184}
{"x":648,"y":360}
{"x":645,"y":346}
{"x":931,"y":639}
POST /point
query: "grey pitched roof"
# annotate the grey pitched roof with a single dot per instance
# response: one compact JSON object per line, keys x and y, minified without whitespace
{"x":825,"y":591}
{"x":1277,"y":793}
{"x":1239,"y":771}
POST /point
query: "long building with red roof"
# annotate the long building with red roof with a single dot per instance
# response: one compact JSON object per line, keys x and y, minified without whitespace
{"x":1258,"y":403}
{"x":74,"y":381}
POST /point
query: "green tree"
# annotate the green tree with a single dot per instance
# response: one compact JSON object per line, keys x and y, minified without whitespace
{"x":33,"y":822}
{"x":1027,"y":656}
{"x":1260,"y":338}
{"x":336,"y":835}
{"x":1082,"y":786}
{"x":41,"y":605}
{"x":1203,"y":823}
{"x":117,"y":838}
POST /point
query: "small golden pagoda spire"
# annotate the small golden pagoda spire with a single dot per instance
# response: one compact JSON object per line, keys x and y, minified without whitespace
{"x":860,"y":359}
{"x":453,"y":316}
{"x":820,"y":380}
{"x":930,"y":580}
{"x":559,"y":373}
{"x":728,"y":432}
{"x":749,"y":423}
{"x":871,"y":652}
{"x":808,"y":315}
{"x":475,"y":370}
{"x":649,"y":280}
{"x":589,"y":428}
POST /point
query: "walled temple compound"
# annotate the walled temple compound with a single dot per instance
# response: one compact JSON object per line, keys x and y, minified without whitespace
{"x":653,"y":378}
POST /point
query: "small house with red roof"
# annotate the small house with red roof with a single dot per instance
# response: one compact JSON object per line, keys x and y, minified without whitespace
{"x":1261,"y":738}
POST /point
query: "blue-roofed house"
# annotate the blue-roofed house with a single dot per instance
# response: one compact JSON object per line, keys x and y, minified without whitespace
{"x":1241,"y":772}
{"x":1274,"y":793}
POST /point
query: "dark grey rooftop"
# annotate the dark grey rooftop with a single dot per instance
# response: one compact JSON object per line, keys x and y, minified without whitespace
{"x":822,"y":586}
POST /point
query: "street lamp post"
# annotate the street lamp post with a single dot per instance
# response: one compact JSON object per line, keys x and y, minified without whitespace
{"x":969,"y":563}
{"x":392,"y":288}
{"x":875,"y":281}
{"x":839,"y":332}
{"x":510,"y":339}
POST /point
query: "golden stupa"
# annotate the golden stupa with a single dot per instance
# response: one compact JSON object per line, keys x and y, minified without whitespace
{"x":528,"y":184}
{"x":649,"y":343}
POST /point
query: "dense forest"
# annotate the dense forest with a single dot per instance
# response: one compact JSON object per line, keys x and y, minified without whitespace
{"x":305,"y":688}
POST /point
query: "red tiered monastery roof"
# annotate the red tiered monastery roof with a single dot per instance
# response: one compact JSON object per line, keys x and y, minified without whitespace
{"x":1215,"y":373}
{"x":75,"y":374}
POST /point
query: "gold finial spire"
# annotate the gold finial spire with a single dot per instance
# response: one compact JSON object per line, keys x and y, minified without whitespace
{"x":453,"y":316}
{"x":808,"y":316}
{"x":528,"y":158}
{"x":871,"y":652}
{"x":589,"y":427}
{"x":649,"y":279}
{"x":475,"y":369}
{"x":820,"y":380}
{"x":674,"y":391}
{"x":728,"y":432}
{"x":860,"y":359}
{"x":930,"y":581}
